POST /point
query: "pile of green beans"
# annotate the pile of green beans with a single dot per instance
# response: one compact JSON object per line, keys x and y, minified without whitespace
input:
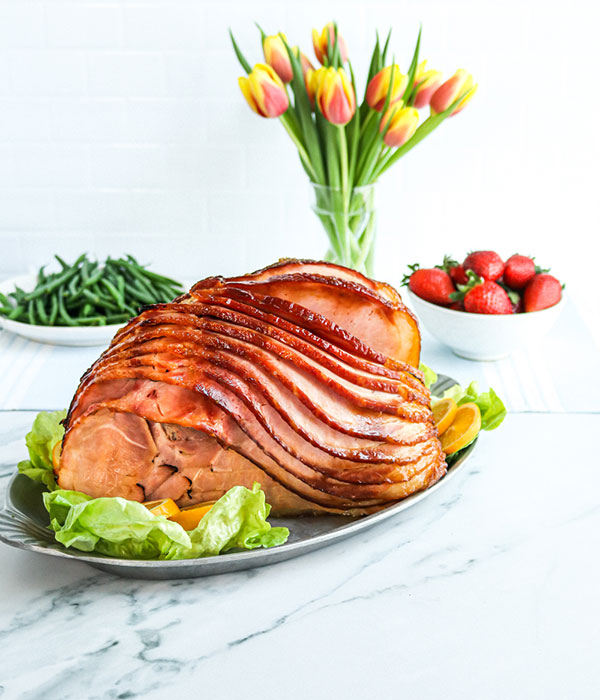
{"x":88,"y":293}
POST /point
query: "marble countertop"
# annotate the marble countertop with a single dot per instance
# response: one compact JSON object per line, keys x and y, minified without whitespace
{"x":487,"y":589}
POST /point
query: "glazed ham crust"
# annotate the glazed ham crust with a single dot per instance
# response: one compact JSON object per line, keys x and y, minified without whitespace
{"x":302,"y":376}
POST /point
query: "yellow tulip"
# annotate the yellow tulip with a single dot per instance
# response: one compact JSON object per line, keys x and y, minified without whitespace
{"x":400,"y":122}
{"x":378,"y":87}
{"x":459,"y":84}
{"x":334,"y":94}
{"x":320,"y":43}
{"x":264,"y":91}
{"x":426,"y":85}
{"x":276,"y":56}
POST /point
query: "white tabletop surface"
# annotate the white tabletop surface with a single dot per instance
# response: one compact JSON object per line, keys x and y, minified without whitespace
{"x":487,"y":589}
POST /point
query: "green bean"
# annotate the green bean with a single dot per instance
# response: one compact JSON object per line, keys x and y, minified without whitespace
{"x":105,"y":300}
{"x":63,"y":264}
{"x":114,"y":292}
{"x":85,"y":270}
{"x":19,"y":295}
{"x":16,"y":313}
{"x":121,"y":285}
{"x":137,"y":294}
{"x":117,"y":318}
{"x":89,"y":293}
{"x":53,"y":310}
{"x":41,"y":311}
{"x":90,"y":320}
{"x":168,"y":293}
{"x":73,"y":286}
{"x":93,"y":278}
{"x":31,"y":313}
{"x":50,"y":287}
{"x":62,"y":312}
{"x":91,"y":297}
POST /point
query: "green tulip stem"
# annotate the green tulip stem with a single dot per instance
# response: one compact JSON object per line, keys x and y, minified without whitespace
{"x":285,"y":120}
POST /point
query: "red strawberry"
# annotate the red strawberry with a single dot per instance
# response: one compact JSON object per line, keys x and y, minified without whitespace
{"x":541,"y":292}
{"x":485,"y":263}
{"x":432,"y":285}
{"x":458,"y":274}
{"x":519,"y":269}
{"x":487,"y":298}
{"x":454,"y":269}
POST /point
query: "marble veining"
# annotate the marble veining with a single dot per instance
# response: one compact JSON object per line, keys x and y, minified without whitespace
{"x":482,"y":590}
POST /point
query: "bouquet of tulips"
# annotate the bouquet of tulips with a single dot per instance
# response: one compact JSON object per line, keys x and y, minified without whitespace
{"x":345,"y":148}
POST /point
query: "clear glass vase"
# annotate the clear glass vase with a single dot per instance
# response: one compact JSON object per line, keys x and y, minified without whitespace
{"x":349,"y":222}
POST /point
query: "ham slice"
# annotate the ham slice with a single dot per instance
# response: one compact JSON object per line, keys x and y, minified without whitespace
{"x":302,"y":376}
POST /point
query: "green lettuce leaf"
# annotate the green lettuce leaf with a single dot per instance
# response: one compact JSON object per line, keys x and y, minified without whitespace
{"x":127,"y":529}
{"x":430,"y":376}
{"x":490,"y":404}
{"x":45,"y":432}
{"x":238,"y":519}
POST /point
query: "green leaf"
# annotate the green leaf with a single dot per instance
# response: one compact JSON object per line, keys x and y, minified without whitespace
{"x":430,"y":376}
{"x":45,"y":432}
{"x":512,"y":295}
{"x":406,"y":279}
{"x":447,"y":264}
{"x":127,"y":529}
{"x":263,"y":36}
{"x":413,"y":67}
{"x":237,"y":520}
{"x":374,"y":68}
{"x":353,"y":134}
{"x":336,"y":58}
{"x":385,"y":48}
{"x":240,"y":56}
{"x":473,"y":279}
{"x":303,"y":111}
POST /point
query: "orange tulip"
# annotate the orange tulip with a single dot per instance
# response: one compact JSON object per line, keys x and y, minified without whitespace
{"x":378,"y":87}
{"x":401,"y":123}
{"x":320,"y":43}
{"x":264,"y":91}
{"x":334,"y":94}
{"x":459,"y":84}
{"x":426,"y":83}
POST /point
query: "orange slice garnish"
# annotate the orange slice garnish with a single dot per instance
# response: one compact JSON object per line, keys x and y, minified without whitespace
{"x":463,"y":429}
{"x":164,"y":506}
{"x":56,"y":450}
{"x":443,"y":414}
{"x":189,"y":517}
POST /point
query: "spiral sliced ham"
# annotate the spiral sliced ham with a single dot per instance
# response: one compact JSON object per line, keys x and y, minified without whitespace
{"x":302,"y":376}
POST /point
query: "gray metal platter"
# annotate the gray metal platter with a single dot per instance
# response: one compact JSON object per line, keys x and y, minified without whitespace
{"x":24,"y":524}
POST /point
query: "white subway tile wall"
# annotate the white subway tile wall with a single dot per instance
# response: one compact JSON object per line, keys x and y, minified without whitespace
{"x":122,"y":129}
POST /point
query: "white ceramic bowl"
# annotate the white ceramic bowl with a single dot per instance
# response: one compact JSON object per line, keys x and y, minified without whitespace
{"x":483,"y":336}
{"x":55,"y":335}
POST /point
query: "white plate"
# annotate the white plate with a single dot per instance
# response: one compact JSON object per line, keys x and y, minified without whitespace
{"x":55,"y":335}
{"x":24,"y":524}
